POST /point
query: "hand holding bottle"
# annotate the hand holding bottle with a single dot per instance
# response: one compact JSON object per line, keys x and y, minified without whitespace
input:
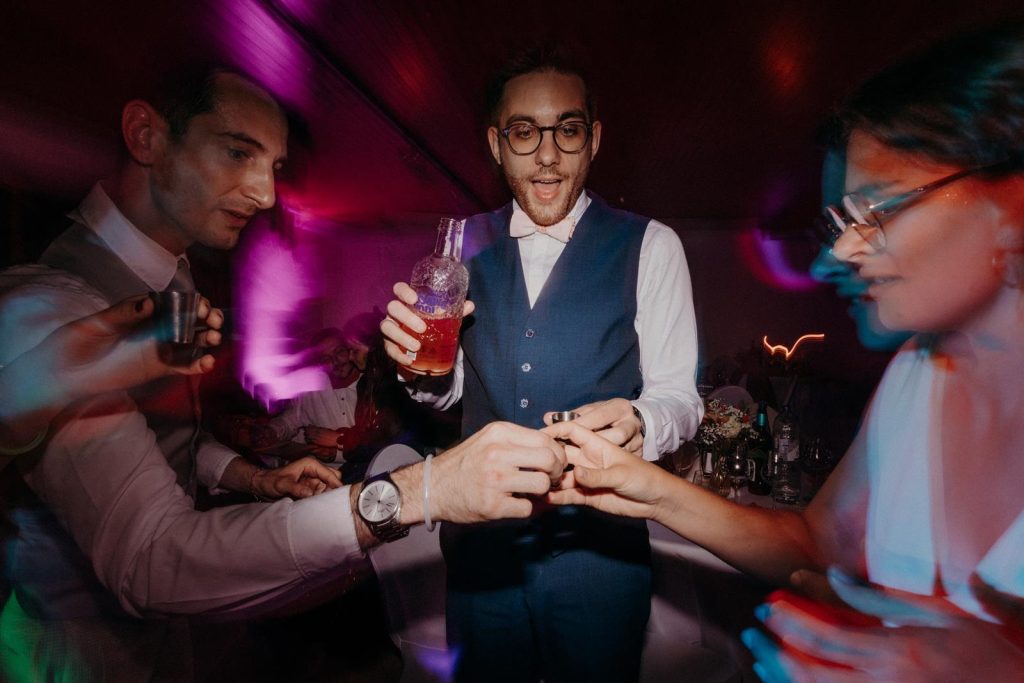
{"x":402,"y":327}
{"x":422,"y":328}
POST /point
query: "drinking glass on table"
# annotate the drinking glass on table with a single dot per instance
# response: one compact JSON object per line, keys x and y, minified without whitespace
{"x":737,"y":467}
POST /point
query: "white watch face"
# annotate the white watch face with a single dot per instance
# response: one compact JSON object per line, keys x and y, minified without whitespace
{"x":379,"y":501}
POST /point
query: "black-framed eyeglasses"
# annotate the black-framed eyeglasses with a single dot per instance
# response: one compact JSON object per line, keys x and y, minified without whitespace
{"x":524,"y":138}
{"x":855,"y":211}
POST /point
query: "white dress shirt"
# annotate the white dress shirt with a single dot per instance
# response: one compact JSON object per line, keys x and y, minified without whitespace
{"x":105,"y":479}
{"x":329,"y":408}
{"x":665,"y":324}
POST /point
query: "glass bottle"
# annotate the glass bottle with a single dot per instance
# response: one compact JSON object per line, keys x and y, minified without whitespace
{"x":786,"y":474}
{"x":759,"y":451}
{"x":441,"y":282}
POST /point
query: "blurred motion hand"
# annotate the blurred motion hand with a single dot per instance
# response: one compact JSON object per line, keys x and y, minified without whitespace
{"x":605,"y":476}
{"x":400,"y":313}
{"x":112,"y":349}
{"x":966,"y":649}
{"x":300,"y":479}
{"x":614,"y":420}
{"x":492,"y":474}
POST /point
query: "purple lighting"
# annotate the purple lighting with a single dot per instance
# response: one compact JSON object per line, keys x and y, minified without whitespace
{"x":271,"y":285}
{"x":766,"y":260}
{"x":268,"y":51}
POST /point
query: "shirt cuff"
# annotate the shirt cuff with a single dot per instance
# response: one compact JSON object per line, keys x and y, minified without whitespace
{"x":323,"y":532}
{"x":212,"y":458}
{"x":650,"y":439}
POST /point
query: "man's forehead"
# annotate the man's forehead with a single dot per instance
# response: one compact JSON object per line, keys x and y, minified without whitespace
{"x":247,"y":113}
{"x":547,"y":92}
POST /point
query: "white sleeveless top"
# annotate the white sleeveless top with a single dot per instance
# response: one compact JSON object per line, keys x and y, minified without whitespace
{"x":906,"y":484}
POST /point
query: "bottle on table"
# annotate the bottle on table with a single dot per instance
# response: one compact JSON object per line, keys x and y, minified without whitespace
{"x":441,"y":282}
{"x":786,"y":472}
{"x":759,"y":451}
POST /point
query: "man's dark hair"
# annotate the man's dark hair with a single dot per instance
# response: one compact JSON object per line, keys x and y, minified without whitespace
{"x":186,"y":92}
{"x":536,"y":59}
{"x":959,"y":102}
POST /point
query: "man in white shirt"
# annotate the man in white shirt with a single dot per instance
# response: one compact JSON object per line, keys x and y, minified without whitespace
{"x":110,"y":533}
{"x":575,"y":306}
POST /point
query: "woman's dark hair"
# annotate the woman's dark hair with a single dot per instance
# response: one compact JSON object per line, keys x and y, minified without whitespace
{"x":959,"y":102}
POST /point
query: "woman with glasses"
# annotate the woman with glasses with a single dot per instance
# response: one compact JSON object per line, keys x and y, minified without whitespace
{"x":928,"y":504}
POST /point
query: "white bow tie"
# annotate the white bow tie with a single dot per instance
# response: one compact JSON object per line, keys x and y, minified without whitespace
{"x":520,"y":226}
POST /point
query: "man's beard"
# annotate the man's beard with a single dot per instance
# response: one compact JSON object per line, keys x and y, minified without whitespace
{"x":550,"y":214}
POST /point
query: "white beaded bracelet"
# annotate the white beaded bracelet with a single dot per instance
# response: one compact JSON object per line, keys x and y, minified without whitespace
{"x":429,"y":523}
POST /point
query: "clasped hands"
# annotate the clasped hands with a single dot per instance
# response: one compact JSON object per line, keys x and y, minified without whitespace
{"x":507,"y":471}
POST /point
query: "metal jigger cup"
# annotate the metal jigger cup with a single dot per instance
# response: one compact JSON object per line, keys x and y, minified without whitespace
{"x":175,"y":315}
{"x":564,"y":416}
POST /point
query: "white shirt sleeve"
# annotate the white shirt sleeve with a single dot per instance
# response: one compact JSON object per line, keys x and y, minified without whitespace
{"x":106,"y":480}
{"x":667,"y":327}
{"x":104,"y":477}
{"x":440,"y":392}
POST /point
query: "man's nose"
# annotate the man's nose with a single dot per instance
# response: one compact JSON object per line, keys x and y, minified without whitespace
{"x":259,"y":187}
{"x":548,"y":153}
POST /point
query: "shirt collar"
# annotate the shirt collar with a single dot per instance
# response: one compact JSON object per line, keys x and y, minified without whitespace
{"x":152,"y":263}
{"x":578,"y":209}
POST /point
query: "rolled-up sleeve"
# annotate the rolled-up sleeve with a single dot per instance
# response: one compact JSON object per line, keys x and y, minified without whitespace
{"x":104,"y":477}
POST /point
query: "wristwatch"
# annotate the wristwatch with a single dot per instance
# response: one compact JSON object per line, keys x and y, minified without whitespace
{"x":643,"y":426}
{"x":379,"y":505}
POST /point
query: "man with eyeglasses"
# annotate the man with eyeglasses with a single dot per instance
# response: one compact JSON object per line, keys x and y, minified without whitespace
{"x":578,"y":306}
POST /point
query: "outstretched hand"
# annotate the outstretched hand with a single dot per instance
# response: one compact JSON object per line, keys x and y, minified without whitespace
{"x":400,"y":320}
{"x":498,"y":473}
{"x":605,"y":476}
{"x":114,"y":349}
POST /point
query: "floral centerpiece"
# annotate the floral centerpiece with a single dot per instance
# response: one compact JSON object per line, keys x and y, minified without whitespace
{"x":723,"y":427}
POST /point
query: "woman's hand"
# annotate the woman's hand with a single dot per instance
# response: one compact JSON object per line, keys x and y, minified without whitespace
{"x":965,"y":649}
{"x":605,"y":476}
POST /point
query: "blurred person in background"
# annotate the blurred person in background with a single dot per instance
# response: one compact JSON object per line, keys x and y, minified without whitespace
{"x":358,"y":415}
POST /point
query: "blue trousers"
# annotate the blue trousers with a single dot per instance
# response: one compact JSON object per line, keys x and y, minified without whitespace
{"x":563,"y":598}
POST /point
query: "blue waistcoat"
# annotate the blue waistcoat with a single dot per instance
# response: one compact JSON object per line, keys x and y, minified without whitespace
{"x":578,"y":344}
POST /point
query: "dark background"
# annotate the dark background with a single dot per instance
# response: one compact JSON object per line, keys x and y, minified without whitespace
{"x":710,"y":112}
